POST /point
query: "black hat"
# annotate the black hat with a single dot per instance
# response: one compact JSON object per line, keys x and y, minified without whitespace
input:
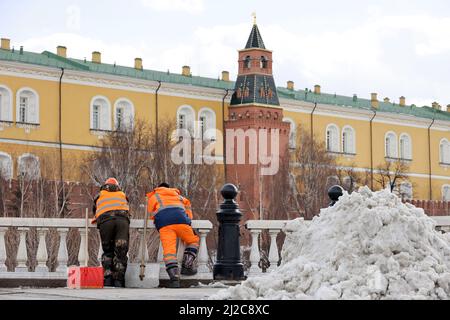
{"x":164,"y":185}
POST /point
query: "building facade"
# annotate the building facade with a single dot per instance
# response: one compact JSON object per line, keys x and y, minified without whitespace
{"x":53,"y":104}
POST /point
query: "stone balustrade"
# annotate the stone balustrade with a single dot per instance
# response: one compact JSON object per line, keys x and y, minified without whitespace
{"x":274,"y":227}
{"x":43,"y":225}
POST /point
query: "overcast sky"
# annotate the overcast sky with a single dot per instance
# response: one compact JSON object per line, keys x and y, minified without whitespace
{"x":392,"y":47}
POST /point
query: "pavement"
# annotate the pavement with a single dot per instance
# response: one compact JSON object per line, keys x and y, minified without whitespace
{"x":195,"y":293}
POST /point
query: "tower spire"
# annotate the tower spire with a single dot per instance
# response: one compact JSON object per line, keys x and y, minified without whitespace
{"x":254,"y":17}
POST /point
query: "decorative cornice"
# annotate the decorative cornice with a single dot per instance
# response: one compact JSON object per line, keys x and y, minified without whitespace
{"x":109,"y":81}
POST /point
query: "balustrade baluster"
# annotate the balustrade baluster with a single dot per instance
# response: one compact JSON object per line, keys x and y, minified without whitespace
{"x":63,"y":255}
{"x":203,"y":252}
{"x":42,"y":255}
{"x":2,"y":249}
{"x":82,"y":256}
{"x":273,"y":252}
{"x":22,"y":256}
{"x":255,"y":255}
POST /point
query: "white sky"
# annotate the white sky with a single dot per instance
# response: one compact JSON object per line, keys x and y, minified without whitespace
{"x":392,"y":47}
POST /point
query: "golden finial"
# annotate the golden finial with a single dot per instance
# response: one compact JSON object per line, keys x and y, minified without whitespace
{"x":254,"y":17}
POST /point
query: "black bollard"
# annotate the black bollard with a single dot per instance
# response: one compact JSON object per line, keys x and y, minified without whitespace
{"x":334,"y":193}
{"x":228,"y":264}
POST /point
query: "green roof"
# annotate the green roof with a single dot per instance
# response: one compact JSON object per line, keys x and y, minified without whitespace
{"x":49,"y":59}
{"x":359,"y":103}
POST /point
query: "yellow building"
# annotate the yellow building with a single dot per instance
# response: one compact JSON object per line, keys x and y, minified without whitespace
{"x":53,"y":104}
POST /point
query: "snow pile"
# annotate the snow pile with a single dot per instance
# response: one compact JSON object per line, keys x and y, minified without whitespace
{"x":368,"y":246}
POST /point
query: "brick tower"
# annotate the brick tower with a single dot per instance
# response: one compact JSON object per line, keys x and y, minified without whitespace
{"x":254,"y":108}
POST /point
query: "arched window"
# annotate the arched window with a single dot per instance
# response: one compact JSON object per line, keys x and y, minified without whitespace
{"x":292,"y":133}
{"x":446,"y":192}
{"x":185,"y":118}
{"x":6,"y":109}
{"x":29,"y":167}
{"x":27,"y":108}
{"x":207,"y":124}
{"x":100,"y":114}
{"x":263,"y":62}
{"x":123,"y":115}
{"x":247,"y":62}
{"x":6,"y":168}
{"x":391,"y":150}
{"x":405,"y":147}
{"x":332,"y":138}
{"x":444,"y":151}
{"x":348,"y":140}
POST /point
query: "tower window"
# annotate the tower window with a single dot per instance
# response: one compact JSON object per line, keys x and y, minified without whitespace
{"x":247,"y":62}
{"x":263,"y":62}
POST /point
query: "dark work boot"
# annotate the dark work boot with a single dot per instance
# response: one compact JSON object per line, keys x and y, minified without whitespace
{"x":187,"y":267}
{"x":108,"y":281}
{"x":174,"y":277}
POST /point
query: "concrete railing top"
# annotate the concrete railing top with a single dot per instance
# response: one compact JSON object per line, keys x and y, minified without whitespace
{"x":441,"y":221}
{"x":267,"y":224}
{"x":81,"y":223}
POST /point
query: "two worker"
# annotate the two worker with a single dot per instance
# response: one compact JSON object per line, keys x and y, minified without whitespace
{"x":172,"y":215}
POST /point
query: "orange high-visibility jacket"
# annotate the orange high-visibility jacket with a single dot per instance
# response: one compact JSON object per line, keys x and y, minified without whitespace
{"x":163,"y":198}
{"x":109,"y":201}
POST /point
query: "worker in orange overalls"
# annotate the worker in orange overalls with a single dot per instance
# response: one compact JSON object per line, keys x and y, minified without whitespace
{"x":113,"y":221}
{"x":172,"y":215}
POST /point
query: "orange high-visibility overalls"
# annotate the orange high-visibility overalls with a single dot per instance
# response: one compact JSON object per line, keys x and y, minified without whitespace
{"x":172,"y":215}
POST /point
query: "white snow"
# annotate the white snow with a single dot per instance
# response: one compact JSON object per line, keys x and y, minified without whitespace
{"x":368,"y":246}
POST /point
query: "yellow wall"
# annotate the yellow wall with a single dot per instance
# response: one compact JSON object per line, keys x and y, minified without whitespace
{"x":76,"y":128}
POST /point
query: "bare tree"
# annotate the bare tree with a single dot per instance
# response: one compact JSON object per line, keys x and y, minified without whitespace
{"x":391,"y":174}
{"x":350,"y":178}
{"x":140,"y":158}
{"x":309,"y":169}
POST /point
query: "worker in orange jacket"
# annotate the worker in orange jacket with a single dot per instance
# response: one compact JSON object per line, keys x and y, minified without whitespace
{"x":113,"y":221}
{"x":172,"y":215}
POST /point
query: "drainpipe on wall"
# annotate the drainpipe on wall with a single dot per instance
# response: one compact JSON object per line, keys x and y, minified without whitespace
{"x":224,"y":141}
{"x":156,"y":108}
{"x":312,"y":123}
{"x":429,"y":158}
{"x":371,"y":148}
{"x":61,"y":176}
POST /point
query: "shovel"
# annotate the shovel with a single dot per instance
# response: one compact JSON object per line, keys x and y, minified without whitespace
{"x":144,"y":244}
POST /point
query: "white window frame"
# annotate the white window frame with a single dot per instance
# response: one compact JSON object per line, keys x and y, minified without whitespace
{"x":189,"y":118}
{"x":394,"y":140}
{"x":344,"y":141}
{"x":10,"y":169}
{"x":96,"y":101}
{"x":211,"y":124}
{"x":444,"y":187}
{"x":35,"y":96}
{"x":131,"y":111}
{"x":6,"y":102}
{"x":408,"y":155}
{"x":292,"y":133}
{"x":327,"y":141}
{"x":29,"y":155}
{"x":444,"y":152}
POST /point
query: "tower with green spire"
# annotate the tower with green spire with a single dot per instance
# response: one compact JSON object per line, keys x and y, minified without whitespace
{"x":255,"y":107}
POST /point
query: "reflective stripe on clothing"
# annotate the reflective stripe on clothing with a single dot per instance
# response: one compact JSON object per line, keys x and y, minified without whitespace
{"x":110,"y":201}
{"x":169,"y":235}
{"x":164,"y":198}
